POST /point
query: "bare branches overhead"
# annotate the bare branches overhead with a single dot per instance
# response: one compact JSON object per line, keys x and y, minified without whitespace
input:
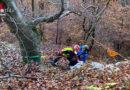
{"x":50,"y":19}
{"x":98,"y":17}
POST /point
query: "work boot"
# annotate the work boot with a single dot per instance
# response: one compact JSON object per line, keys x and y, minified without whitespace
{"x":52,"y":63}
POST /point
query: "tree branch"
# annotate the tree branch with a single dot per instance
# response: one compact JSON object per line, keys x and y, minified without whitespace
{"x":17,"y":76}
{"x":69,"y":12}
{"x":91,"y":6}
{"x":98,"y":18}
{"x":50,"y":19}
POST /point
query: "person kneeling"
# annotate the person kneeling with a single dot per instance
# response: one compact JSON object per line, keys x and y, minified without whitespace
{"x":70,"y":53}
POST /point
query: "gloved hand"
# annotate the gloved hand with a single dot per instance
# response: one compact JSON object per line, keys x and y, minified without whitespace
{"x":81,"y":62}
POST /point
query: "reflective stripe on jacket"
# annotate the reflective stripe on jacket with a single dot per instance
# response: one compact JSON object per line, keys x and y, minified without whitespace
{"x":68,"y":53}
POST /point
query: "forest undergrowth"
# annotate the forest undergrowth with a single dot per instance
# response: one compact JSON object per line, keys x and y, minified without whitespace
{"x":14,"y":74}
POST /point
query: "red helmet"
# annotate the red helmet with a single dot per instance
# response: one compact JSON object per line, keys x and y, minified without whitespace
{"x":1,"y":8}
{"x":76,"y":48}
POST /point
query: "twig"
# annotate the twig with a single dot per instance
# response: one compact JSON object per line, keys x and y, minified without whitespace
{"x":91,"y":6}
{"x":17,"y":76}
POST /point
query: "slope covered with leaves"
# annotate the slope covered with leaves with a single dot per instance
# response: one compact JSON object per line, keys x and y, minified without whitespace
{"x":16,"y":75}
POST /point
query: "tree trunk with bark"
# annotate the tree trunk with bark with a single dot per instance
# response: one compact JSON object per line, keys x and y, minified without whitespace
{"x":25,"y":30}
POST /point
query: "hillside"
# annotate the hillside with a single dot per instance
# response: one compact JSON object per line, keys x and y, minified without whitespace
{"x":14,"y":74}
{"x":36,"y":30}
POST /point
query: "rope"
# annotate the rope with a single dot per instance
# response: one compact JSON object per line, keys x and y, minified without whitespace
{"x":37,"y":56}
{"x":100,"y":44}
{"x":107,"y":48}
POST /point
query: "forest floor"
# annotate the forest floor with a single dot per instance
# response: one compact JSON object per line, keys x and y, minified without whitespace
{"x":14,"y":74}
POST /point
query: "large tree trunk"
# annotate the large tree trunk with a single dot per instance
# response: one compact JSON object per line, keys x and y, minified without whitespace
{"x":26,"y":33}
{"x":29,"y":39}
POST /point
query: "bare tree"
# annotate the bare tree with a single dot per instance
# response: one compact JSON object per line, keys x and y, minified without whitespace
{"x":33,"y":8}
{"x":57,"y":32}
{"x":25,"y":30}
{"x":93,"y":18}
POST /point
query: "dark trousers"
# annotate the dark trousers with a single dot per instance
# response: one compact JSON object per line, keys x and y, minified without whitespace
{"x":72,"y":61}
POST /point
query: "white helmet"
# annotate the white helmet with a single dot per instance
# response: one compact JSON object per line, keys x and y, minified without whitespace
{"x":76,"y":48}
